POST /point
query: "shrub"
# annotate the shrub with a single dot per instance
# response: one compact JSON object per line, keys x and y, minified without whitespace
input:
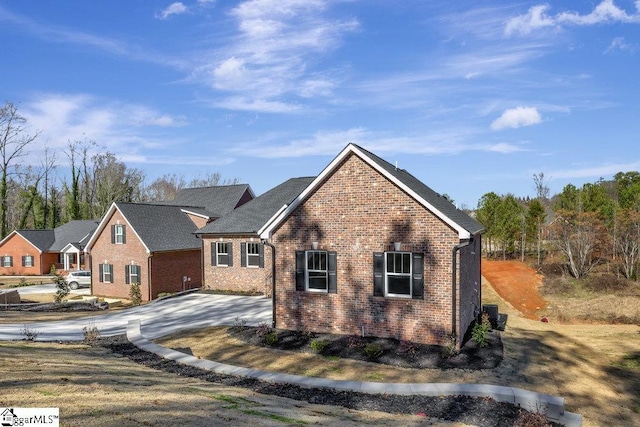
{"x":91,"y":333}
{"x":480,"y":331}
{"x":373,"y":351}
{"x":271,"y":338}
{"x":263,"y":329}
{"x":62,"y":289}
{"x":449,"y":349}
{"x":318,"y":346}
{"x":407,"y":347}
{"x":134,"y":294}
{"x":29,"y":334}
{"x":354,"y":341}
{"x":239,"y":323}
{"x":52,"y":270}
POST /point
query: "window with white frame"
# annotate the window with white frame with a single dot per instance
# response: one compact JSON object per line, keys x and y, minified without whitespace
{"x":316,"y":271}
{"x":7,"y":261}
{"x":398,"y":273}
{"x":132,"y":274}
{"x":27,"y":261}
{"x":106,"y":273}
{"x":221,"y":254}
{"x":253,"y":254}
{"x":119,"y":234}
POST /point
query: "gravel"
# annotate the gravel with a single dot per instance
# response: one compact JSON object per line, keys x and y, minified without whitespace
{"x":462,"y":409}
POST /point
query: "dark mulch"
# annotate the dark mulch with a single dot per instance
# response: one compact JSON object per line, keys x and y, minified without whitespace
{"x":64,"y":307}
{"x":393,"y":352}
{"x":463,"y":409}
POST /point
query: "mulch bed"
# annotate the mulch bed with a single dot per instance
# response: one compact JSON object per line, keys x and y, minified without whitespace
{"x":463,"y":409}
{"x":393,"y":352}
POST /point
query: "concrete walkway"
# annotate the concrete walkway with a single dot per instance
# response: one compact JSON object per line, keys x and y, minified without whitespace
{"x":159,"y":318}
{"x":551,"y":406}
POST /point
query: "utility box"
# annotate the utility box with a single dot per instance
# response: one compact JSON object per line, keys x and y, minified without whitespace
{"x":492,"y":311}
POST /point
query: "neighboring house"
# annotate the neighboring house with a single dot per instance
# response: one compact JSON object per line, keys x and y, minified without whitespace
{"x":234,"y":258}
{"x":368,"y":249}
{"x":154,"y":245}
{"x":33,"y":252}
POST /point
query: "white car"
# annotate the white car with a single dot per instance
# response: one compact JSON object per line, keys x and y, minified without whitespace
{"x":78,"y":278}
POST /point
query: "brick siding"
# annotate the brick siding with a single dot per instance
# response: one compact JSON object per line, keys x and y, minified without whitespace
{"x":167,"y":268}
{"x":236,"y":277}
{"x":16,"y":246}
{"x":356,"y":212}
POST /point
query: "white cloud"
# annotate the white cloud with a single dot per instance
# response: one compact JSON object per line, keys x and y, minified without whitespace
{"x":537,"y":17}
{"x":619,"y":43}
{"x":177,"y":8}
{"x":517,"y":117}
{"x":594,"y":171}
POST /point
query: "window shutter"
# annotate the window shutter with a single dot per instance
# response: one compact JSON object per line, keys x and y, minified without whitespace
{"x":230,"y":251}
{"x":243,"y":254}
{"x":261,"y":257}
{"x":124,"y":234}
{"x":213,"y":254}
{"x":127,"y":270}
{"x":333,"y":270}
{"x":417,"y":291}
{"x":113,"y":234}
{"x":378,"y":274}
{"x":101,"y":270}
{"x":24,"y":261}
{"x":300,"y":267}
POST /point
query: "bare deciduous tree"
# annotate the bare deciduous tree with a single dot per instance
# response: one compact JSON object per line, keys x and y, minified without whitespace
{"x":628,"y":240}
{"x":14,"y":140}
{"x":579,"y":236}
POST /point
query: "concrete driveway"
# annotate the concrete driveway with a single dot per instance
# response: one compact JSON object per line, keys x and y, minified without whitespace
{"x":158,"y":318}
{"x":49,"y":288}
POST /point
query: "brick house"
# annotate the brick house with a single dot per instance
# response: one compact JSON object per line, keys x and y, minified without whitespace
{"x":33,"y":252}
{"x":154,"y":244}
{"x":367,"y":248}
{"x":234,"y":258}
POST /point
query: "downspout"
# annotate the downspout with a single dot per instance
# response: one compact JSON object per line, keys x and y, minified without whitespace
{"x":149,"y":276}
{"x":454,"y":284}
{"x":273,"y":281}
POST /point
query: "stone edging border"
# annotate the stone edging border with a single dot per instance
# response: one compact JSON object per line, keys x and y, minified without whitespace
{"x":551,"y":406}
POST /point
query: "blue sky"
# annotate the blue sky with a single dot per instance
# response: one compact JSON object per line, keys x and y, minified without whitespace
{"x":469,"y":97}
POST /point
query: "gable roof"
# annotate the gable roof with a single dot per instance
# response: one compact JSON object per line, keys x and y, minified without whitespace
{"x":217,"y":201}
{"x":40,"y":239}
{"x":159,"y":227}
{"x":464,"y":225}
{"x":75,"y":231}
{"x":251,"y":217}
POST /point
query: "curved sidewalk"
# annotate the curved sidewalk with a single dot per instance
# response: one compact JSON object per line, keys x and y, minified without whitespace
{"x":551,"y":406}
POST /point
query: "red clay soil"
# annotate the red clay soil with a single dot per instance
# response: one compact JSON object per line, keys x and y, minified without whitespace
{"x":517,"y":283}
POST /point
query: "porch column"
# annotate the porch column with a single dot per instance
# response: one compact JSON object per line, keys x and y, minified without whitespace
{"x":66,"y":261}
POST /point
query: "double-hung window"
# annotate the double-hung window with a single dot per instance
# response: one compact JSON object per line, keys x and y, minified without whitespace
{"x":106,"y":273}
{"x":398,"y":274}
{"x":252,"y":254}
{"x":222,"y":254}
{"x":132,"y":274}
{"x":27,"y":261}
{"x":7,"y":261}
{"x":118,"y":234}
{"x":316,"y":271}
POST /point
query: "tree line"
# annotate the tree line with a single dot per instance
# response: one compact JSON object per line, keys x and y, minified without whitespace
{"x":588,"y":226}
{"x":36,"y":197}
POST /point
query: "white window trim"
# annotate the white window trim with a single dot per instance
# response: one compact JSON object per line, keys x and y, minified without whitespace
{"x":409,"y":274}
{"x":137,"y":275}
{"x":119,"y":234}
{"x":107,"y":269}
{"x":29,"y":261}
{"x":6,"y":261}
{"x":218,"y":253}
{"x":255,"y":256}
{"x":306,"y":271}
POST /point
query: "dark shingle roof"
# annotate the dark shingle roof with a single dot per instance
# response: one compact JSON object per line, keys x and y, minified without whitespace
{"x":161,"y":227}
{"x":434,"y":199}
{"x":253,"y":215}
{"x":73,"y":232}
{"x":41,"y":239}
{"x":217,"y":200}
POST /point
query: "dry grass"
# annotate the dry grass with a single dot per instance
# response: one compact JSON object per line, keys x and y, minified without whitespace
{"x":93,"y":387}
